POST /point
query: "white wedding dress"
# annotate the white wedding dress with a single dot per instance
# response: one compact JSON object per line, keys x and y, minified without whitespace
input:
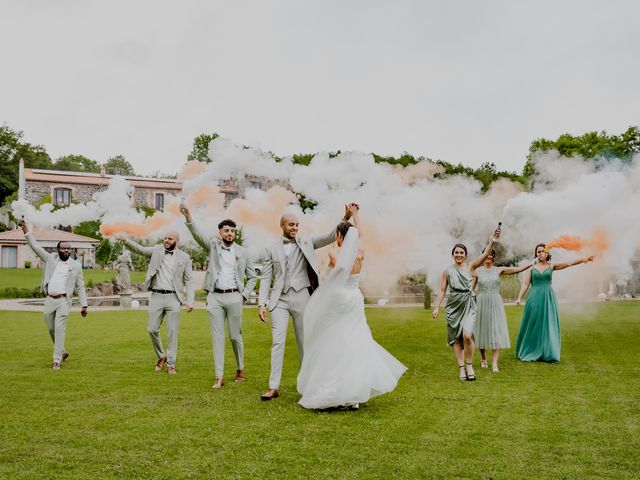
{"x":343,"y":365}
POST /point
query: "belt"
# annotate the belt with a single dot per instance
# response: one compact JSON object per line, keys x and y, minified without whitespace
{"x":164,"y":292}
{"x":228,"y":290}
{"x":58,"y":296}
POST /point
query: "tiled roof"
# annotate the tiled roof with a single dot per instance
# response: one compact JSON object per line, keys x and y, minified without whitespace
{"x":59,"y":176}
{"x":46,"y":235}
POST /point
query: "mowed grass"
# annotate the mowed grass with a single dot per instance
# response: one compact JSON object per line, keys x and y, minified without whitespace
{"x":31,"y":277}
{"x":106,"y":414}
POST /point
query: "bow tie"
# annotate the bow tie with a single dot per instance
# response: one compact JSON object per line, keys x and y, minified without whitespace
{"x":168,"y":252}
{"x":228,"y":249}
{"x":286,"y":241}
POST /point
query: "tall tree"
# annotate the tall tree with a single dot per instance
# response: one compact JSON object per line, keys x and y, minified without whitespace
{"x":76,"y":163}
{"x":200,"y":150}
{"x":118,"y":165}
{"x":12,"y":149}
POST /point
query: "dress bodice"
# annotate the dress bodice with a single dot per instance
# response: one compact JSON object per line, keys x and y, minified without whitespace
{"x":353,"y":281}
{"x":459,"y":280}
{"x":541,"y":278}
{"x":488,"y":280}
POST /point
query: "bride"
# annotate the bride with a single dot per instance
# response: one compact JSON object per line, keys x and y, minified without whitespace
{"x":343,"y":365}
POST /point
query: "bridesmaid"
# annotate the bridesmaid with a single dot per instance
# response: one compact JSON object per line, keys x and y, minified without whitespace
{"x":539,"y":335}
{"x":491,"y":329}
{"x":461,"y":305}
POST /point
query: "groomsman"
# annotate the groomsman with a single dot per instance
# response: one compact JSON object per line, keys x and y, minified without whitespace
{"x":226,"y":291}
{"x":289,"y":275}
{"x":61,"y":276}
{"x":168,"y":276}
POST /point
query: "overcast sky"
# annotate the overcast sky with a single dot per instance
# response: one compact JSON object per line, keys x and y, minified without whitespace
{"x":462,"y":81}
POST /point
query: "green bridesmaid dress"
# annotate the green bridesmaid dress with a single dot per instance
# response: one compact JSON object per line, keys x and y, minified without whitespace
{"x":461,"y":304}
{"x":539,"y":335}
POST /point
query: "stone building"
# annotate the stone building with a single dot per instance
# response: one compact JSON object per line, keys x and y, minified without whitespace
{"x":62,"y":187}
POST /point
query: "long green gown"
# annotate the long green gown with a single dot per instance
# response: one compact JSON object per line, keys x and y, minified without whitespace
{"x":539,"y":335}
{"x":491,"y":329}
{"x":461,"y":304}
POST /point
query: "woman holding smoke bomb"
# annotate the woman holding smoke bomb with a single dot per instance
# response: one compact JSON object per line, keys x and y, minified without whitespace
{"x":539,"y":336}
{"x":461,"y":305}
{"x":491,"y":329}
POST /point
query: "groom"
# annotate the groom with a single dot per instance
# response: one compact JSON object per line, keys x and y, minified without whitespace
{"x":289,"y":276}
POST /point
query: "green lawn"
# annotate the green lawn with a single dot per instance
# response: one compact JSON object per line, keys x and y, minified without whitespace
{"x":31,"y":277}
{"x":106,"y":414}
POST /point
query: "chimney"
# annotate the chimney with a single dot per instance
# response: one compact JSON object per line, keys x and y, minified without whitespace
{"x":21,"y":183}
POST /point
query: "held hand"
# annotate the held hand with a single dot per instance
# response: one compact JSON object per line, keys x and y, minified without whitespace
{"x":185,"y":211}
{"x":496,"y":234}
{"x":519,"y":302}
{"x":189,"y":308}
{"x":435,"y":312}
{"x":262,"y":313}
{"x":83,"y":311}
{"x":23,"y":225}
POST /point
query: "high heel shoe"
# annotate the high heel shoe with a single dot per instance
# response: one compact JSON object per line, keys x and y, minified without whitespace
{"x":470,"y":376}
{"x":463,"y":373}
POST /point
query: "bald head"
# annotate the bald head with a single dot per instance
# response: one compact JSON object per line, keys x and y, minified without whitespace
{"x":289,"y":223}
{"x":171,"y":240}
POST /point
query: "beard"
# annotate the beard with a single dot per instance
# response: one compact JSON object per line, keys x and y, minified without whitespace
{"x":170,"y":247}
{"x":64,"y":256}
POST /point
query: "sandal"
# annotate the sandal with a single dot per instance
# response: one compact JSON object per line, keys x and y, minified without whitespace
{"x":483,"y":364}
{"x":470,"y":377}
{"x":463,"y":373}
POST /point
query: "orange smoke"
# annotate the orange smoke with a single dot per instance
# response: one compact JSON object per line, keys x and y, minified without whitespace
{"x":596,"y":245}
{"x":264,"y":212}
{"x":138,"y":230}
{"x":191,"y":170}
{"x":207,"y":196}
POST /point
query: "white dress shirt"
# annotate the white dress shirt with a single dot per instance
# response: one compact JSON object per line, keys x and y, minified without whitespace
{"x":58,"y":281}
{"x":164,"y":278}
{"x":227,"y":276}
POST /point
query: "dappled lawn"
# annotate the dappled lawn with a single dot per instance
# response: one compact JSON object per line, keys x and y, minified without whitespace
{"x":31,"y":277}
{"x":106,"y":414}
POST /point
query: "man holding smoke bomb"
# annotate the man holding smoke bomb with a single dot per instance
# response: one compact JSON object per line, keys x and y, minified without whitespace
{"x":168,"y":276}
{"x":62,"y":276}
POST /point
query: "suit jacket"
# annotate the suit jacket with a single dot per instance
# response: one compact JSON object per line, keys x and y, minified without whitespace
{"x":75,"y":280}
{"x":273,"y":270}
{"x":244,"y":264}
{"x":182,"y":275}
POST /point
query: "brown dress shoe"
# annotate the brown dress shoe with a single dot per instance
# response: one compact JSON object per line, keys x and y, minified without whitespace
{"x":56,"y":366}
{"x":219,"y":383}
{"x":269,"y":394}
{"x":160,"y":365}
{"x":65,"y":355}
{"x":240,"y":376}
{"x":171,"y":370}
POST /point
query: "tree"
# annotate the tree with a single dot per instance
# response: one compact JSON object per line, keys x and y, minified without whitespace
{"x":591,"y":145}
{"x":12,"y":149}
{"x":118,"y":165}
{"x":76,"y":163}
{"x":200,"y":150}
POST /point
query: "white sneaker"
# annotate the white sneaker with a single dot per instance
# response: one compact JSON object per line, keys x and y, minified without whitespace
{"x":483,"y":364}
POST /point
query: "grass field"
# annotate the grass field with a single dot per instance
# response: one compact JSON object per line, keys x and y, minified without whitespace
{"x":31,"y":277}
{"x":106,"y":414}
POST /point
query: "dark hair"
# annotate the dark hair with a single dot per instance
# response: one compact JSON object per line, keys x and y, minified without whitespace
{"x":227,"y":223}
{"x":459,"y":245}
{"x":492,"y":253}
{"x":343,"y":228}
{"x":60,"y":243}
{"x":535,"y":251}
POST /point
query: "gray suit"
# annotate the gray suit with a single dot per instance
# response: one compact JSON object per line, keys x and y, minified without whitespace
{"x":56,"y":310}
{"x":161,"y":304}
{"x":221,"y":306}
{"x":285,"y":286}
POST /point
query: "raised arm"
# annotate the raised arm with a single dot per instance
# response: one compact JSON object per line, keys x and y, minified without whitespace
{"x":514,"y":270}
{"x":320,"y":241}
{"x":38,"y":250}
{"x":443,"y":290}
{"x":136,"y":247}
{"x":525,"y":286}
{"x":487,"y":250}
{"x":195,"y":231}
{"x":578,"y":261}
